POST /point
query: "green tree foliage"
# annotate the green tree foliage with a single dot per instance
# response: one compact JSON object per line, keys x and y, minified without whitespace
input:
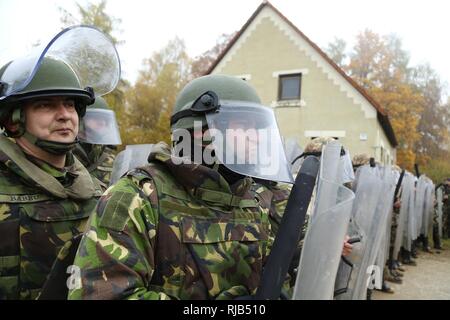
{"x":151,"y":99}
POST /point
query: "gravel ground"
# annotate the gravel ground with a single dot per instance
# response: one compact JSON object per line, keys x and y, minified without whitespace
{"x":429,"y":280}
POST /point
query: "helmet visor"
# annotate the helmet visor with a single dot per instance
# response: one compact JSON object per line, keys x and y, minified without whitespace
{"x":247,"y":141}
{"x":86,"y":50}
{"x":99,"y":126}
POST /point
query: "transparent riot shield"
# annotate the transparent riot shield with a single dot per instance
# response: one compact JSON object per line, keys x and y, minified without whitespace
{"x":420,"y":205}
{"x":407,"y":193}
{"x":390,"y":179}
{"x":411,"y":233}
{"x":367,"y":188}
{"x":374,"y":195}
{"x":385,"y":211}
{"x":383,"y":251}
{"x":293,"y":150}
{"x":132,"y":157}
{"x":321,"y":252}
{"x":428,"y":208}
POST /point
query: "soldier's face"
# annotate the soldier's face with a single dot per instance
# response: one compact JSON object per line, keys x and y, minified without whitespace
{"x":248,"y":152}
{"x":53,"y":118}
{"x":96,"y":124}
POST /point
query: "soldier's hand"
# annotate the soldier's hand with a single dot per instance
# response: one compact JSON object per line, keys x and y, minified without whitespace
{"x":397,"y":204}
{"x":347,"y":249}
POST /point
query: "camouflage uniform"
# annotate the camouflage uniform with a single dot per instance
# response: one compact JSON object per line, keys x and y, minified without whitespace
{"x":446,"y":212}
{"x":98,"y":160}
{"x":34,"y":223}
{"x":168,"y":231}
{"x":43,"y":207}
{"x":436,"y":237}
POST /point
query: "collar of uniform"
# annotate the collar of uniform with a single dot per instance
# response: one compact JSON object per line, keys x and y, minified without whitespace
{"x":80,"y":187}
{"x":64,"y":175}
{"x":203,"y":182}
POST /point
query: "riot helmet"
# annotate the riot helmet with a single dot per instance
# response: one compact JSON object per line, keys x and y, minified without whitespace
{"x":241,"y":131}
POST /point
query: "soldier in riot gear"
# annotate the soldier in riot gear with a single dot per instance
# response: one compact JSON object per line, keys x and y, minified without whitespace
{"x":46,"y":194}
{"x":187,"y":225}
{"x":99,"y":135}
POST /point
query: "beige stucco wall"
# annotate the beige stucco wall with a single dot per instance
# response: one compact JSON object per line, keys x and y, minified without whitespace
{"x":324,"y":106}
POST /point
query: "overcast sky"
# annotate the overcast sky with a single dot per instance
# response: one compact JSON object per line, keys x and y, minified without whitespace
{"x":147,"y":26}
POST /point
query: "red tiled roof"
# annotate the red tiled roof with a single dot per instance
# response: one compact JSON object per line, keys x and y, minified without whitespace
{"x":381,"y":114}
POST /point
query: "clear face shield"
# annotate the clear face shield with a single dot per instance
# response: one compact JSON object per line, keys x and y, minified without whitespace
{"x":246,"y":139}
{"x":86,"y":50}
{"x":99,"y":126}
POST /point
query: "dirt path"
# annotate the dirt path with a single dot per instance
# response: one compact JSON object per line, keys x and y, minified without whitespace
{"x":430,"y":279}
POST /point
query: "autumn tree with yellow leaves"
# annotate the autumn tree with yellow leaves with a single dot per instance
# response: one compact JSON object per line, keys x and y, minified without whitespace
{"x":151,"y":99}
{"x":411,"y":96}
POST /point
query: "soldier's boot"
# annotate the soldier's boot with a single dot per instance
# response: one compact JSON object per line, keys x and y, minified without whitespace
{"x":386,"y":289}
{"x":407,"y":260}
{"x":425,"y":246}
{"x":413,"y":251}
{"x":398,"y":265}
{"x":436,"y":239}
{"x":392,"y":268}
{"x":391,"y":278}
{"x":396,"y":273}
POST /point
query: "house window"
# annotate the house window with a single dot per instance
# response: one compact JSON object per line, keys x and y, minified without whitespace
{"x":289,"y":86}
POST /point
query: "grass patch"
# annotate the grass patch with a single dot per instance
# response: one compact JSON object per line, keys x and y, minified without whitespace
{"x":445,"y":243}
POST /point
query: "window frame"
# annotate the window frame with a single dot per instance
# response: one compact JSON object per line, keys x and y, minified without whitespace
{"x":280,"y":83}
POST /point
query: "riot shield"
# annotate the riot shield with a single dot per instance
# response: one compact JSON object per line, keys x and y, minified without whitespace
{"x":390,"y":179}
{"x":374,"y":195}
{"x":132,"y":157}
{"x":407,"y":193}
{"x":383,"y":251}
{"x":328,"y":224}
{"x":411,"y":231}
{"x":293,"y":150}
{"x":420,"y":205}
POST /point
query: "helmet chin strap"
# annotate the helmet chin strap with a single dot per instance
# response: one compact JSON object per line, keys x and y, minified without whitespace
{"x":53,"y":147}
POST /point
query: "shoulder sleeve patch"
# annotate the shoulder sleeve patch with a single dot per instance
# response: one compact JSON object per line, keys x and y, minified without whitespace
{"x":115,"y":213}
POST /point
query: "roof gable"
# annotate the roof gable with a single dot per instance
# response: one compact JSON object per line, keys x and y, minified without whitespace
{"x":333,"y":71}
